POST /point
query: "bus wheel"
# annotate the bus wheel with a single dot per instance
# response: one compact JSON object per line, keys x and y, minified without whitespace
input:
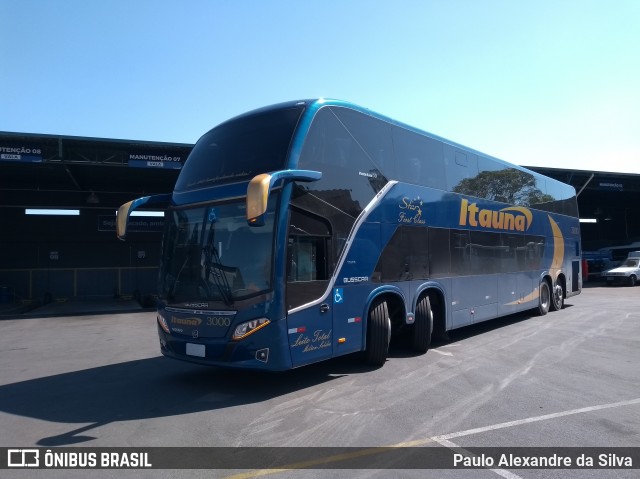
{"x":544,"y":300}
{"x":422,"y":327}
{"x":557,"y":298}
{"x":378,"y":333}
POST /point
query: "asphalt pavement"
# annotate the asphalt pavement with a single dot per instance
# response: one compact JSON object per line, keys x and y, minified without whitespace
{"x":567,"y":379}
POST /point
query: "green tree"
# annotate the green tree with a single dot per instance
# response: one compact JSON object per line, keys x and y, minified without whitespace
{"x":508,"y":186}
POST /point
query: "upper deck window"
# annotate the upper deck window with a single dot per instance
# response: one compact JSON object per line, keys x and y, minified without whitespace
{"x":240,"y":149}
{"x":419,"y":159}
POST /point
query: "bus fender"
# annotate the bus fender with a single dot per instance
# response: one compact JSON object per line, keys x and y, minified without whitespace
{"x":386,"y":289}
{"x":441,"y":320}
{"x":544,"y":275}
{"x":425,"y":286}
{"x":554,"y":278}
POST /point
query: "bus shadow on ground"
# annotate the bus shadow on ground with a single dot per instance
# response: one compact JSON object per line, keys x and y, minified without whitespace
{"x":151,"y":388}
{"x":158,"y":387}
{"x":400,"y":346}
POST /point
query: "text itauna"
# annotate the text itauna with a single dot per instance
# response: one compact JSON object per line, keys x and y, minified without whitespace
{"x":512,"y":218}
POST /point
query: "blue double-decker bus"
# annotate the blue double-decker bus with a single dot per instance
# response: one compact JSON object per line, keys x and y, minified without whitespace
{"x":313,"y":229}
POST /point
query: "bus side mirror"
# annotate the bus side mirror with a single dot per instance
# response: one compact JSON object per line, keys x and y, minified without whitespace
{"x":122,"y":218}
{"x":260,"y":187}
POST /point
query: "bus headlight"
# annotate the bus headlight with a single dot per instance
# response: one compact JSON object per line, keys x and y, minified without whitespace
{"x":163,"y":324}
{"x":245,"y":329}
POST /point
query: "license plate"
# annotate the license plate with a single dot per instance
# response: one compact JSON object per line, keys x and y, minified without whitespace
{"x":195,"y":350}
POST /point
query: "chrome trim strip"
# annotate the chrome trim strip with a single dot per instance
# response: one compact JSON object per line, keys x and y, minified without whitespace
{"x":361,"y":218}
{"x":200,"y":311}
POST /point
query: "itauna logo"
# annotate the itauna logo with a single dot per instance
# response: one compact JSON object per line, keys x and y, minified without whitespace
{"x":186,"y":321}
{"x":512,"y":218}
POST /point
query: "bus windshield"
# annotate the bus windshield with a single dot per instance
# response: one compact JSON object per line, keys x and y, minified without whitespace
{"x":240,"y":149}
{"x":211,"y":255}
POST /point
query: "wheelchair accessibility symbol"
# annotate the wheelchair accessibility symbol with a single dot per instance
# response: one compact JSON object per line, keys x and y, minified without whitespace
{"x":338,"y":295}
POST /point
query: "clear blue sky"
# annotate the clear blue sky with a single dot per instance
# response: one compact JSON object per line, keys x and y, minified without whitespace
{"x":541,"y":82}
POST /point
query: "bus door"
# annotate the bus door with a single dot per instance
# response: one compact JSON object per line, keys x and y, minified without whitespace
{"x":310,"y":318}
{"x":311,"y":333}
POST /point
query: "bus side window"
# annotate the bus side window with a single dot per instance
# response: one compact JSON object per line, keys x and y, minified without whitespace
{"x":439,"y":252}
{"x":308,"y":247}
{"x":462,"y":169}
{"x":561,"y":198}
{"x":460,"y":247}
{"x":393,"y":262}
{"x":373,"y":138}
{"x":405,"y":256}
{"x":419,"y":159}
{"x":307,"y":258}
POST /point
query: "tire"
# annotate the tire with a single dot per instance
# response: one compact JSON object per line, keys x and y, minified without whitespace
{"x":422,"y":326}
{"x":544,"y":298}
{"x":378,"y":333}
{"x":632,"y":280}
{"x":557,"y":298}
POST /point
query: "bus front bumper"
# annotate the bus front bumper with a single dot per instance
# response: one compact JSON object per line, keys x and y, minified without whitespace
{"x":263,"y":350}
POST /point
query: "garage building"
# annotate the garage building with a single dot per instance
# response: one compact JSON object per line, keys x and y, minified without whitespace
{"x":47,"y":258}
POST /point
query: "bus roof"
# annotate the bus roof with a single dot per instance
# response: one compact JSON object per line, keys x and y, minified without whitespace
{"x":313,"y":105}
{"x":316,"y":104}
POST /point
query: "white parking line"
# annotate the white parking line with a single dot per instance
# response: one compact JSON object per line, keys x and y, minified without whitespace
{"x":528,"y":420}
{"x":444,"y":353}
{"x":444,"y":440}
{"x":498,"y":471}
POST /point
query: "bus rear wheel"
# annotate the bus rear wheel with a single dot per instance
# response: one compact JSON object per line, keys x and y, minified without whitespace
{"x":378,"y":333}
{"x":544,"y":299}
{"x":557,"y":298}
{"x":422,"y":326}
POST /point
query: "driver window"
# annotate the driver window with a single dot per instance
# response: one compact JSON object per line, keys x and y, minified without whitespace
{"x":307,"y":247}
{"x":307,"y":257}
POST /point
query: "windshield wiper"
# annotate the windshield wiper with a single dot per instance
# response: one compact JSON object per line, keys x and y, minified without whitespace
{"x":215,"y":269}
{"x":176,"y":280}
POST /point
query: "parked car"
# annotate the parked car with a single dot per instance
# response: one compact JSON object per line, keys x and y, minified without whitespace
{"x":628,"y":272}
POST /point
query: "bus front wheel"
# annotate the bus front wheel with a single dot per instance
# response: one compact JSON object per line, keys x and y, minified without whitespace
{"x":378,"y":333}
{"x":423,"y":326}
